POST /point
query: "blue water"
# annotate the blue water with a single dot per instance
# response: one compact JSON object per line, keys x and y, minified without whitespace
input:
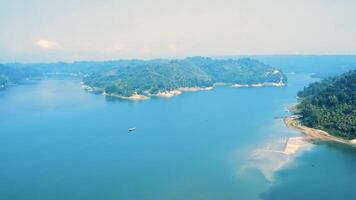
{"x":59,"y":142}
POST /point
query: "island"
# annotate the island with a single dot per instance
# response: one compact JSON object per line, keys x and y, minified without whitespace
{"x":140,"y":80}
{"x":327,"y":109}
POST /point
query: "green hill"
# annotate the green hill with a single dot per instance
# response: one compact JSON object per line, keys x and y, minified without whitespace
{"x":151,"y":77}
{"x":14,"y":75}
{"x":330,"y":105}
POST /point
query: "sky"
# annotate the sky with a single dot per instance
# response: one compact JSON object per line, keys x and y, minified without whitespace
{"x":70,"y":30}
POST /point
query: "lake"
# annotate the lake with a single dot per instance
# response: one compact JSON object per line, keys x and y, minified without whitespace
{"x":59,"y":142}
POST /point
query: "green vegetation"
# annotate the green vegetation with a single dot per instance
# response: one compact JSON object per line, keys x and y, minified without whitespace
{"x":330,"y":105}
{"x":151,"y":77}
{"x":14,"y":75}
{"x":127,"y":77}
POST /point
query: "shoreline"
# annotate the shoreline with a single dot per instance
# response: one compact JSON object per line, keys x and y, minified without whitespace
{"x":138,"y":97}
{"x":314,"y":134}
{"x":134,"y":97}
{"x":264,"y":84}
{"x":176,"y":92}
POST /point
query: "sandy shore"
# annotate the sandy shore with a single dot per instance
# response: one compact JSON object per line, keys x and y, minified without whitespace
{"x":194,"y":89}
{"x":293,"y":144}
{"x":265,"y":84}
{"x":172,"y":93}
{"x":275,"y":153}
{"x":167,"y":94}
{"x":314,"y":134}
{"x":135,"y":97}
{"x":179,"y":91}
{"x":239,"y":85}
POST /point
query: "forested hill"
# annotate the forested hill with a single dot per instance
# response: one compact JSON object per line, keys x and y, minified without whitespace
{"x":151,"y":77}
{"x":13,"y":75}
{"x":330,"y":105}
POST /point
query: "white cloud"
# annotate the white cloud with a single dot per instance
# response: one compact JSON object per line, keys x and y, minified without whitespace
{"x":47,"y":44}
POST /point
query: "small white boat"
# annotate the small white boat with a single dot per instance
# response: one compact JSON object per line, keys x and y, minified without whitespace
{"x":132,"y":129}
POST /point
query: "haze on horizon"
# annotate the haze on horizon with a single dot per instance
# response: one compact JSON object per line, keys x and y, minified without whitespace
{"x":68,"y":30}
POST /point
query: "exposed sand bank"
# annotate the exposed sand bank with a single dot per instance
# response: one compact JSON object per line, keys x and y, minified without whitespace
{"x":172,"y":93}
{"x":167,"y":94}
{"x":194,"y":89}
{"x":314,"y":134}
{"x":139,"y":97}
{"x":265,"y":84}
{"x":179,"y":91}
{"x":239,"y":85}
{"x":291,"y":146}
{"x":279,"y":84}
{"x":134,"y":97}
{"x":274,"y":154}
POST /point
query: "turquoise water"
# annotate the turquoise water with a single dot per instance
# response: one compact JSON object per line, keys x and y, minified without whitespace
{"x":59,"y":142}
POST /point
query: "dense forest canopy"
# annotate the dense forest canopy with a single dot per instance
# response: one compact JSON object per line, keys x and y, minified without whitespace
{"x":127,"y":77}
{"x":13,"y":75}
{"x":151,"y":77}
{"x":330,"y":105}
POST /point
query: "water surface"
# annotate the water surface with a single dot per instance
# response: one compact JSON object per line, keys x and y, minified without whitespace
{"x":59,"y":142}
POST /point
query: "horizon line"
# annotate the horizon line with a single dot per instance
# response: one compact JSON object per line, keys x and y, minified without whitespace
{"x":178,"y":58}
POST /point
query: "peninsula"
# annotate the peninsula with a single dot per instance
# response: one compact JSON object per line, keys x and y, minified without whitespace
{"x":327,"y":110}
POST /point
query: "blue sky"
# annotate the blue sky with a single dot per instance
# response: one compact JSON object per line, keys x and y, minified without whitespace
{"x":67,"y":30}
